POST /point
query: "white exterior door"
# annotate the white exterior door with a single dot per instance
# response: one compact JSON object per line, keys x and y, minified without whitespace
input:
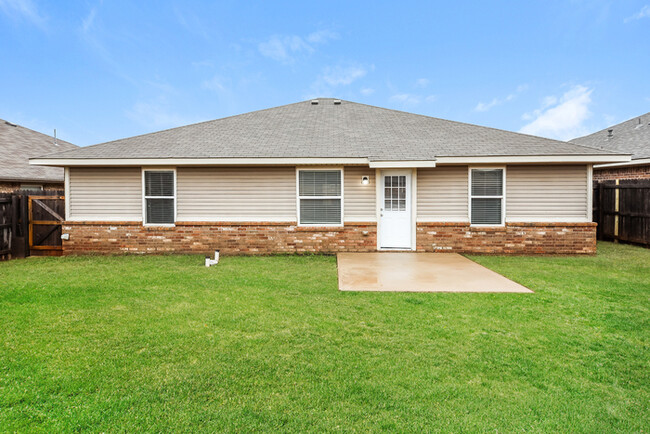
{"x":395,"y":210}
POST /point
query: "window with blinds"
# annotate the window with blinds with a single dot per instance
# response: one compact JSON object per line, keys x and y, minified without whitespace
{"x":319,"y":197}
{"x":159,"y":197}
{"x":486,"y":198}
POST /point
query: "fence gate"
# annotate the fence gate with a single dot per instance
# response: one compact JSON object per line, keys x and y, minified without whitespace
{"x":622,"y":210}
{"x":45,"y":220}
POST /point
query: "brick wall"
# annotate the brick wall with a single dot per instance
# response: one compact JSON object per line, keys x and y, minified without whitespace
{"x":513,"y":239}
{"x":631,"y":172}
{"x":230,"y":238}
{"x":264,"y":238}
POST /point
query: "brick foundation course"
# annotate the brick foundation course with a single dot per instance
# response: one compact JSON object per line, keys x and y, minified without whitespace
{"x":265,"y":238}
{"x":513,"y":239}
{"x":631,"y":172}
{"x":228,"y":237}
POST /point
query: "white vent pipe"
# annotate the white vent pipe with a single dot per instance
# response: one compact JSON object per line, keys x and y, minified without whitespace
{"x":210,"y":262}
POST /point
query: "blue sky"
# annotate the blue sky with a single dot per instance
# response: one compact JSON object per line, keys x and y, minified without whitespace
{"x":102,"y":70}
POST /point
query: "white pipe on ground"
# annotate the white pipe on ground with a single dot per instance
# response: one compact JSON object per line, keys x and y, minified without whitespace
{"x":210,"y":262}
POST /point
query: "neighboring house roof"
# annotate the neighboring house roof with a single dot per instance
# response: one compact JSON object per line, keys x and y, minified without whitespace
{"x":327,"y":130}
{"x":19,"y":144}
{"x":631,"y":137}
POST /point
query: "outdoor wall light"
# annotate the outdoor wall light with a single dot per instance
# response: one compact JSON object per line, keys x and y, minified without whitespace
{"x":365,"y":180}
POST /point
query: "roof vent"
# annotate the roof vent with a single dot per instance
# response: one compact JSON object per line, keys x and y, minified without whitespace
{"x":11,"y":124}
{"x":610,"y":132}
{"x":314,"y":102}
{"x":337,"y":102}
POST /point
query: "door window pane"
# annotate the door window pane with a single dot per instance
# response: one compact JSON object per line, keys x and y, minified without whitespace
{"x":395,"y":193}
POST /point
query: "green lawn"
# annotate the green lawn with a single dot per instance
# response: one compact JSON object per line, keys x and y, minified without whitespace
{"x":268,"y":343}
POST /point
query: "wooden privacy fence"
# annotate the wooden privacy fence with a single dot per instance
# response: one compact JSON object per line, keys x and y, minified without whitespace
{"x":31,"y":224}
{"x":6,"y":222}
{"x":622,"y":210}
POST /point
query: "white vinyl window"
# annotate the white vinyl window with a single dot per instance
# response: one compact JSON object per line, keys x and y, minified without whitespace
{"x":320,"y":197}
{"x":486,"y":203}
{"x":159,"y":205}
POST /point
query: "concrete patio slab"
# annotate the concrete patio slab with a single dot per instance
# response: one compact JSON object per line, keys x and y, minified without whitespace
{"x":419,"y":272}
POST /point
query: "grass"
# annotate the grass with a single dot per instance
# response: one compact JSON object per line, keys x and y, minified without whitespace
{"x":269,"y":344}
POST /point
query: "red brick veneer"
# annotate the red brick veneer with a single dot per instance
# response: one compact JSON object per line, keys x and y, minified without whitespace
{"x":229,"y":237}
{"x":630,"y":172}
{"x":513,"y":239}
{"x":263,"y":238}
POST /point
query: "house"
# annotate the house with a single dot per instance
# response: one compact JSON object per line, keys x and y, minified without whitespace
{"x":327,"y":175}
{"x":17,"y":145}
{"x":631,"y":137}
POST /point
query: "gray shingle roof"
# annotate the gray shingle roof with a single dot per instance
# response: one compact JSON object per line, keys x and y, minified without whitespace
{"x":630,"y":137}
{"x":19,"y":144}
{"x":347,"y":130}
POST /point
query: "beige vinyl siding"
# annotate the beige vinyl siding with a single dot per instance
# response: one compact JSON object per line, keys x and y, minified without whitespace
{"x":236,"y":194}
{"x":546,"y":193}
{"x":442,"y":194}
{"x":105,"y":194}
{"x":359,"y":200}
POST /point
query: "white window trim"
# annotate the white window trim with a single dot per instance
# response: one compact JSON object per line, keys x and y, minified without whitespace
{"x":66,"y":191}
{"x":590,"y":193}
{"x":144,"y":197}
{"x":502,"y":197}
{"x":298,"y":197}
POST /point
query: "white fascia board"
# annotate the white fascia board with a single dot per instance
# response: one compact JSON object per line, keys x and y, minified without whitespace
{"x":401,"y":164}
{"x":534,"y":159}
{"x":637,"y":162}
{"x":196,"y":161}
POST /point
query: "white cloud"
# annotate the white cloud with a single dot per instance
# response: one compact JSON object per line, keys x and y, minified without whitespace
{"x":406,"y":98}
{"x":411,"y":99}
{"x":367,"y":91}
{"x":333,"y":77}
{"x":88,"y":22}
{"x":338,"y":75}
{"x":422,"y":82}
{"x":561,"y":118}
{"x":322,"y":36}
{"x":215,"y":84}
{"x":192,"y":23}
{"x":643,"y":13}
{"x":285,"y":48}
{"x":155,"y":114}
{"x":23,"y":9}
{"x":485,"y":106}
